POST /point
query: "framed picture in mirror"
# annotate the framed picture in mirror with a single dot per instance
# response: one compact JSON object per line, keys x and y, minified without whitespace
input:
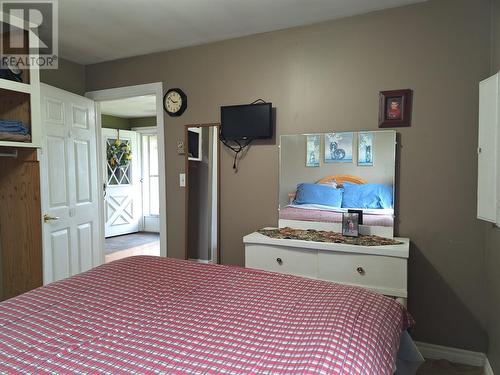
{"x":365,"y":149}
{"x":338,"y":147}
{"x":395,"y":108}
{"x":312,"y":152}
{"x":350,"y":224}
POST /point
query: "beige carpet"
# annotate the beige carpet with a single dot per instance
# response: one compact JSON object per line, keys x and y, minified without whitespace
{"x":443,"y":367}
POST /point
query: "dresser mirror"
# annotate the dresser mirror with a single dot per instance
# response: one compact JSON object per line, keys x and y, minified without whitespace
{"x":325,"y":175}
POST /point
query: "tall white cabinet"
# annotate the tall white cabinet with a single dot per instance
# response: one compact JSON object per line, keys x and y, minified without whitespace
{"x":488,"y":189}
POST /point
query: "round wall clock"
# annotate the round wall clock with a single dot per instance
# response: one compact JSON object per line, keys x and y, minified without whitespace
{"x":175,"y":102}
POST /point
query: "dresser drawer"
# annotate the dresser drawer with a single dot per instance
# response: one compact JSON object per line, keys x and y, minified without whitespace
{"x":384,"y":274}
{"x":281,"y":259}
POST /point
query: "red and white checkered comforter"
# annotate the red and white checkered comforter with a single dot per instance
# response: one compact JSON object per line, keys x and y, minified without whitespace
{"x":157,"y":315}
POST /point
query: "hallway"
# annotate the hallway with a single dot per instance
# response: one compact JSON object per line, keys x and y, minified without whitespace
{"x":140,"y":243}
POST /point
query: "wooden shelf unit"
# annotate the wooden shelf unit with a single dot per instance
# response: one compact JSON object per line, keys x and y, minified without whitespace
{"x":21,"y":100}
{"x":15,"y":106}
{"x":20,"y":203}
{"x":20,"y":222}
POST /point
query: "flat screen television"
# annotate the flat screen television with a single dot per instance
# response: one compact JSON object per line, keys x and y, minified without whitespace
{"x":247,"y":121}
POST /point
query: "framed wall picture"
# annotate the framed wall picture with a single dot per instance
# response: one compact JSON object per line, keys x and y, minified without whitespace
{"x":350,"y":224}
{"x":395,"y":108}
{"x":313,"y":145}
{"x":365,"y":149}
{"x":338,"y":147}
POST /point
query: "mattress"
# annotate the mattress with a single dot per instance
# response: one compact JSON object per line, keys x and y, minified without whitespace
{"x":157,"y":315}
{"x":383,"y":218}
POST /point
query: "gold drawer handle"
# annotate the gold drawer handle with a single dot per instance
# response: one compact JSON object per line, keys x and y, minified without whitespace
{"x":360,"y":270}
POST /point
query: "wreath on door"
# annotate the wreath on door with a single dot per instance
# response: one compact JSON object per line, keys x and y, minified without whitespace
{"x":119,"y":154}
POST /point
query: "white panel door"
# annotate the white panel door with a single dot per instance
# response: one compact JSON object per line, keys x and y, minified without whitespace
{"x":123,"y":205}
{"x":70,"y":184}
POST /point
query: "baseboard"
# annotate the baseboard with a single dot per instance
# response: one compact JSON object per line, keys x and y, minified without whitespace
{"x":200,"y":260}
{"x":465,"y":357}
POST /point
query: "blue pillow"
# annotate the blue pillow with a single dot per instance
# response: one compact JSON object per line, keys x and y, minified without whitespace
{"x":318,"y":194}
{"x":367,"y":196}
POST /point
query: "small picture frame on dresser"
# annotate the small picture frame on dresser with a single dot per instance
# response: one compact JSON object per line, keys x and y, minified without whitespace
{"x":350,"y":224}
{"x":360,"y":215}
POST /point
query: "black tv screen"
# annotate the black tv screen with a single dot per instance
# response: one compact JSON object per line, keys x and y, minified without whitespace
{"x":248,"y":121}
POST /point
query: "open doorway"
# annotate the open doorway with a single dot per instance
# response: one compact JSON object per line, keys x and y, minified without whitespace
{"x":130,"y":163}
{"x":101,"y":96}
{"x":202,"y":158}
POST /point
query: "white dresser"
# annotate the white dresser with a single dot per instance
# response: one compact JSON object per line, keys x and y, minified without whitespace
{"x":382,"y":269}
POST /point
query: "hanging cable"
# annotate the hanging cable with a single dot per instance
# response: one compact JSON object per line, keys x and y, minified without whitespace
{"x":258,"y":100}
{"x":237,"y":150}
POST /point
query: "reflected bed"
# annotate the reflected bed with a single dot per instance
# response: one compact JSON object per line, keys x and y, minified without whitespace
{"x":382,"y":217}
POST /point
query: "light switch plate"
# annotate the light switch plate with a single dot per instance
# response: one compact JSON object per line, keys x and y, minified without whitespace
{"x":182,"y":180}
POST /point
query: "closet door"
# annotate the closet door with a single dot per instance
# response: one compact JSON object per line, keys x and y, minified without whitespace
{"x":70,"y":184}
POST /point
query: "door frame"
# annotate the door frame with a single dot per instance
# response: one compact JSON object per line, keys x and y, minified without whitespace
{"x":186,"y":190}
{"x":124,"y":93}
{"x":141,"y":132}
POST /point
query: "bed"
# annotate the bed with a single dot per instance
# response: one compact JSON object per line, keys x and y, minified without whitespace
{"x":158,"y":315}
{"x":292,"y":214}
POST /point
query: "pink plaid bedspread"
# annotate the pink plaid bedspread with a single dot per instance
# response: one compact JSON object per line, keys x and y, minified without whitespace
{"x":157,"y":315}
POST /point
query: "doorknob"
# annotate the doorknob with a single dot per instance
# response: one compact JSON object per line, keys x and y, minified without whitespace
{"x":47,"y":218}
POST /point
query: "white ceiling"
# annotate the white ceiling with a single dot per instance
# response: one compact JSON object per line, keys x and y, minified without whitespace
{"x":92,"y":31}
{"x":138,"y":106}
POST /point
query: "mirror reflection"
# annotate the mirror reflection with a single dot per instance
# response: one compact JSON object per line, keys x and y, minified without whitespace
{"x":325,"y":175}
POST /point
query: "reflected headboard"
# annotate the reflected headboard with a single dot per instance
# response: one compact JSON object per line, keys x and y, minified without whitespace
{"x":341,"y":178}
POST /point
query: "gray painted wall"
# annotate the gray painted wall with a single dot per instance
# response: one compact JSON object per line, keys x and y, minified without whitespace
{"x":114,"y":122}
{"x":493,"y":234}
{"x":69,"y":76}
{"x":327,"y":77}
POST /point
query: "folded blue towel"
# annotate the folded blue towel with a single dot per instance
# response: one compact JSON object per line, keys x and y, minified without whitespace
{"x":14,"y":127}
